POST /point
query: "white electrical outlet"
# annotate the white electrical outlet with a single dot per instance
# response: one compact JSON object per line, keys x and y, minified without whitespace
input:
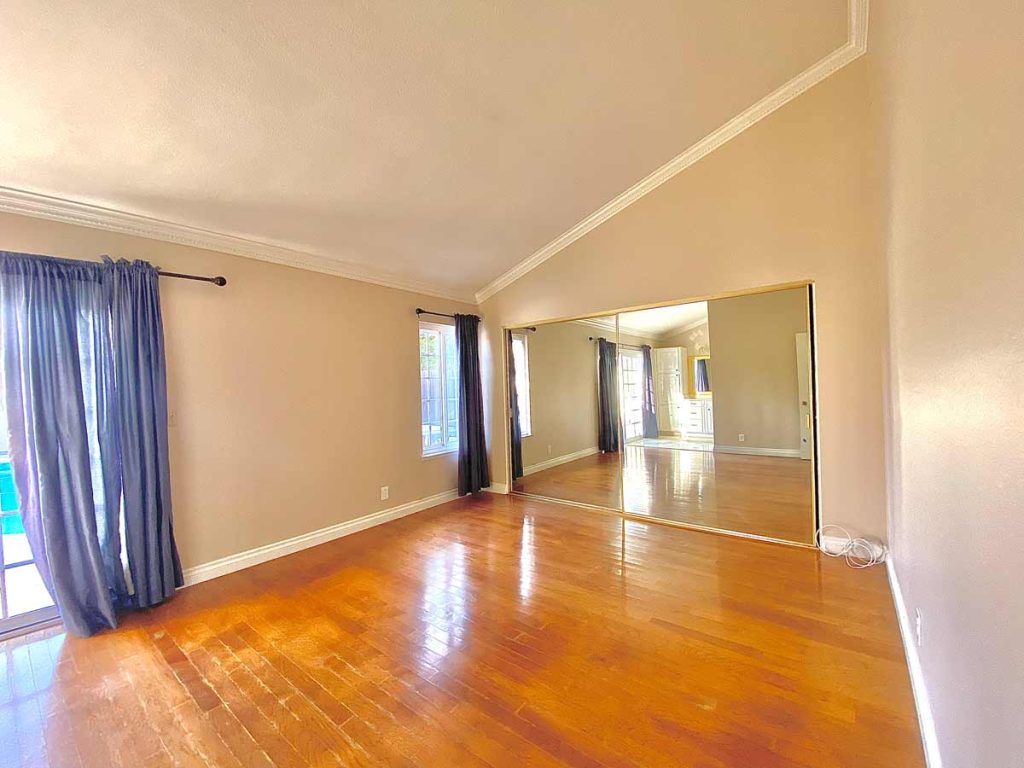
{"x":743,"y":437}
{"x":549,"y":450}
{"x":384,"y":493}
{"x":917,"y":627}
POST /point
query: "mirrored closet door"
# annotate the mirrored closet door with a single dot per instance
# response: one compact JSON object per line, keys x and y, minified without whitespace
{"x":563,"y":387}
{"x":698,"y":414}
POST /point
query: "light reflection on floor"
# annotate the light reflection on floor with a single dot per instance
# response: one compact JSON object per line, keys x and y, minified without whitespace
{"x":444,"y":610}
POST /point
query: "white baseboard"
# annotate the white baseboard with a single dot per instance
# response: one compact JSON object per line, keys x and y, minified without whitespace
{"x":559,"y":460}
{"x":251,"y":557}
{"x":786,"y":453}
{"x":924,"y":710}
{"x":497,"y":488}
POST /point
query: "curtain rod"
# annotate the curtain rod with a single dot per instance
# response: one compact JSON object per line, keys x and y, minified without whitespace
{"x":618,"y":344}
{"x":219,"y":280}
{"x":421,"y":311}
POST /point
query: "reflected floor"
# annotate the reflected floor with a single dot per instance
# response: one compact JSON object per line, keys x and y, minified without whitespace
{"x":761,"y":495}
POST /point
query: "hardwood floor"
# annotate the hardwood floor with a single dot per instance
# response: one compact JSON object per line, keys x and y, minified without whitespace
{"x":762,"y":495}
{"x":490,"y":631}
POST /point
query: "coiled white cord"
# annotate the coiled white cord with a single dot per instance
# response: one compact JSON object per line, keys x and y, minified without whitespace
{"x":859,"y":552}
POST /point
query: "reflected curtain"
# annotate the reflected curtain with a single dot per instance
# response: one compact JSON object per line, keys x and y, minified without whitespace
{"x":474,"y":473}
{"x":702,"y":381}
{"x":607,"y":396}
{"x":515,"y":430}
{"x":81,"y":434}
{"x":650,"y":416}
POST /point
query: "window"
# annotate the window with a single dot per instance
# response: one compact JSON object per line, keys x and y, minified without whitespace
{"x":439,"y":388}
{"x":521,"y":357}
{"x":631,"y":365}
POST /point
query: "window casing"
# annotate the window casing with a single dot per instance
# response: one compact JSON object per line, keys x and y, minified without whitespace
{"x":521,"y":357}
{"x":439,"y":389}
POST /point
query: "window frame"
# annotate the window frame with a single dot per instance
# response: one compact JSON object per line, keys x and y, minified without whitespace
{"x":524,"y":337}
{"x":443,"y":330}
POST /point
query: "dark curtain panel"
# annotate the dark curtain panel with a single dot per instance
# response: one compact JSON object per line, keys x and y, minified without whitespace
{"x":140,"y":369}
{"x":85,"y":392}
{"x":57,"y":390}
{"x":608,"y":397}
{"x":649,"y":413}
{"x":513,"y":397}
{"x":701,"y":378}
{"x":473,"y":471}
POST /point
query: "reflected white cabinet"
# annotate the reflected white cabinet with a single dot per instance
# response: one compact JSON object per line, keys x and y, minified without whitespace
{"x":668,"y":385}
{"x":700,"y":421}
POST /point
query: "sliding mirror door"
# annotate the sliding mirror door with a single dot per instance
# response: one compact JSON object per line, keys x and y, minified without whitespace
{"x":717,"y":414}
{"x":564,"y":419}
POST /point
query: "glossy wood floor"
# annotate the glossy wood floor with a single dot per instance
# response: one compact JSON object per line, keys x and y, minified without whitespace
{"x":494,"y":631}
{"x":763,"y":495}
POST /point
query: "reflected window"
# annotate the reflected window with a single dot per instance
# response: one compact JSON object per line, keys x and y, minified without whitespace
{"x":521,"y":357}
{"x":631,"y":367}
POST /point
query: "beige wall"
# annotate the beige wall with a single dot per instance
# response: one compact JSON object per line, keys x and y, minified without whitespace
{"x":950,"y":106}
{"x":754,"y":384}
{"x":787,"y":200}
{"x":563,"y":390}
{"x":293,"y":395}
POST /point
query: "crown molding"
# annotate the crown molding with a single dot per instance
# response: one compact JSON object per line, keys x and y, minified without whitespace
{"x":601,"y":323}
{"x":854,"y":48}
{"x":60,"y":209}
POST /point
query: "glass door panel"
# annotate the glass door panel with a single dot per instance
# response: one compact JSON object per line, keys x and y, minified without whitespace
{"x":24,"y":599}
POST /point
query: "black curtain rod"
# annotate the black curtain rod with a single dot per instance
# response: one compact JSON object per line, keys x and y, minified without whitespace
{"x":618,"y":344}
{"x":218,"y":280}
{"x":421,"y":311}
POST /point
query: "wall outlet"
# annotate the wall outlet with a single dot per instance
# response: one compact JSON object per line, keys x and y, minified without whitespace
{"x":917,"y":627}
{"x":549,"y":450}
{"x":384,"y":493}
{"x":743,"y":437}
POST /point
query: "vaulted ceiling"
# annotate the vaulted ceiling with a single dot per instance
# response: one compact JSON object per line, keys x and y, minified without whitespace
{"x":432,"y":145}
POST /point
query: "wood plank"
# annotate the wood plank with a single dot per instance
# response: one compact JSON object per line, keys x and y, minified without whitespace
{"x":490,"y":631}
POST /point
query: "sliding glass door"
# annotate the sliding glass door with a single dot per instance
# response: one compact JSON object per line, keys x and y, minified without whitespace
{"x":24,"y":599}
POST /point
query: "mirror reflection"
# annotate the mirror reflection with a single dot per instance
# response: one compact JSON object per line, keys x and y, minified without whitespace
{"x":563,"y":384}
{"x":697,"y":414}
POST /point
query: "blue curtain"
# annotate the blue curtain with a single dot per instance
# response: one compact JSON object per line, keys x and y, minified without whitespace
{"x":85,"y":392}
{"x":702,"y":378}
{"x":607,"y":397}
{"x":474,"y":473}
{"x":140,"y":370}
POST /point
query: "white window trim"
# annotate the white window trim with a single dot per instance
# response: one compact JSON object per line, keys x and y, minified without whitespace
{"x":529,"y":392}
{"x":427,"y":453}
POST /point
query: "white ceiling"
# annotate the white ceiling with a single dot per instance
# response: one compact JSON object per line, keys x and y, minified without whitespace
{"x":441,"y":142}
{"x":654,"y":322}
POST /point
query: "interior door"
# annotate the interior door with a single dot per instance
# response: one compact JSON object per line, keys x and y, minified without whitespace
{"x":803,"y":377}
{"x":668,"y":387}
